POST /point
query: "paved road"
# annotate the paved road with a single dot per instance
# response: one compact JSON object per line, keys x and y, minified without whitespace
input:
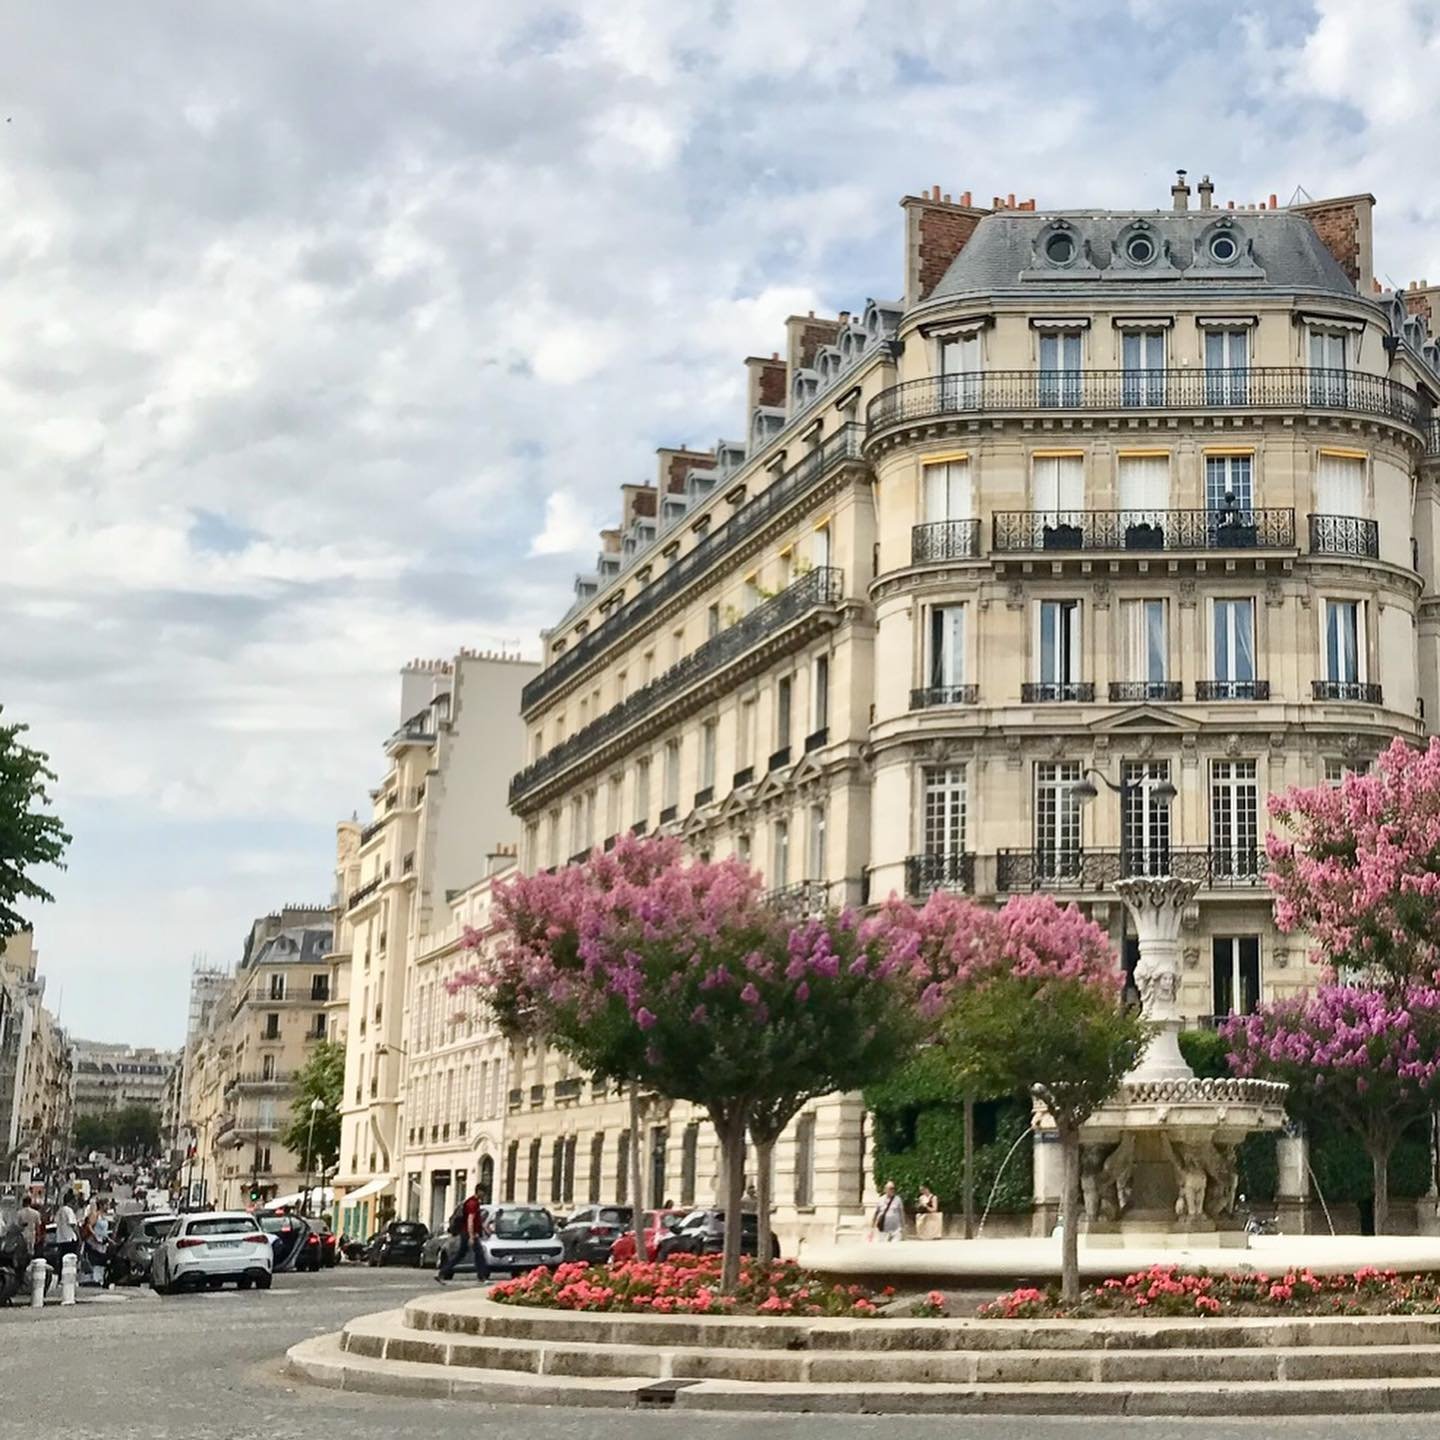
{"x":205,"y":1367}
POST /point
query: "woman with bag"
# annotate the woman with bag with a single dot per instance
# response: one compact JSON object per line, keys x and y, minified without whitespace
{"x":888,"y":1222}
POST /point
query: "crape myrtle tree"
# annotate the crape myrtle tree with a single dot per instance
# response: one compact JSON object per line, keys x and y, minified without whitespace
{"x":1359,"y":869}
{"x":29,"y":834}
{"x":1365,"y":1057}
{"x":676,"y":976}
{"x":1029,"y":999}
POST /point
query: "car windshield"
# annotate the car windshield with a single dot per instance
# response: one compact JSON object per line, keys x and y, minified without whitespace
{"x":276,"y":1224}
{"x":222,"y":1225}
{"x":523,"y":1225}
{"x":699,"y":1219}
{"x":161,"y":1225}
{"x":409,"y":1229}
{"x":614,"y":1215}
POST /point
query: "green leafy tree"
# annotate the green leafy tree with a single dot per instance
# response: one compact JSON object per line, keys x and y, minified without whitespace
{"x":314,"y":1135}
{"x":92,"y":1132}
{"x":29,"y":834}
{"x":135,"y":1130}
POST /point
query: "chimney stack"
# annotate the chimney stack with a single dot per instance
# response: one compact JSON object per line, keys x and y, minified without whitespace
{"x":1180,"y":192}
{"x":1205,"y":192}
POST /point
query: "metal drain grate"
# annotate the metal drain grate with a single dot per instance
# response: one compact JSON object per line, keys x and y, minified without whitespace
{"x":661,"y":1393}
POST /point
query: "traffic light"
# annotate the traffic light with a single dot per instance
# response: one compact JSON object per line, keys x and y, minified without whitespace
{"x":254,"y":1194}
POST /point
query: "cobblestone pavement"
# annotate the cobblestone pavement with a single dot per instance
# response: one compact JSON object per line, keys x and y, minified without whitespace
{"x":135,"y":1366}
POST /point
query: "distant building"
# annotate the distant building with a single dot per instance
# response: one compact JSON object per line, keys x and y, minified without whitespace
{"x":109,"y":1076}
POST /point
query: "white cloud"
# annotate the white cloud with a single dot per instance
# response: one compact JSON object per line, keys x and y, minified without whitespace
{"x":567,"y":530}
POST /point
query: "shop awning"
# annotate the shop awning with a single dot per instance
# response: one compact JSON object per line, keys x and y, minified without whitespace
{"x":371,"y":1187}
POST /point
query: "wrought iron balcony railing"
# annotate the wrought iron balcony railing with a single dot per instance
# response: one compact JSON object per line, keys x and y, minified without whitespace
{"x":819,"y":587}
{"x":924,"y":873}
{"x":1346,"y":690}
{"x":372,"y":830}
{"x":1232,"y":689}
{"x":360,"y":896}
{"x":1046,"y":692}
{"x":929,"y":696}
{"x":992,"y":392}
{"x":1215,"y":867}
{"x":800,"y":900}
{"x":794,"y":483}
{"x":1027,"y":531}
{"x":1133,"y":690}
{"x":944,"y":540}
{"x":1344,"y":535}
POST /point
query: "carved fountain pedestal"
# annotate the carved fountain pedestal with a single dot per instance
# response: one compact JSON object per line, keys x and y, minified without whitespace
{"x":1157,"y":1161}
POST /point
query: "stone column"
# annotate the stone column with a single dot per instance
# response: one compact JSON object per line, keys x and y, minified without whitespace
{"x":1292,"y":1183}
{"x":1157,"y":906}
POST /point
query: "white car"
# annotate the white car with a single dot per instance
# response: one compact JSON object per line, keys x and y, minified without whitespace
{"x":206,"y":1250}
{"x":520,"y":1237}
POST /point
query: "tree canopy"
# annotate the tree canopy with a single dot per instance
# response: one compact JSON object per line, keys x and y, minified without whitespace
{"x":29,"y":834}
{"x":314,"y":1136}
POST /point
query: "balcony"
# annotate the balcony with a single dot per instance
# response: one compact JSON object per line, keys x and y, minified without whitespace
{"x":816,"y":739}
{"x":927,"y":873}
{"x":1232,"y":689}
{"x":417,"y":730}
{"x":1133,"y":691}
{"x":930,"y":696}
{"x":820,"y":587}
{"x":1027,"y":532}
{"x":1351,"y":690}
{"x":360,"y":896}
{"x":743,"y":777}
{"x":800,"y":900}
{"x":1217,"y":868}
{"x":1344,"y":535}
{"x":750,"y":518}
{"x":1052,"y":692}
{"x":372,"y":830}
{"x":779,"y":759}
{"x":568,"y":1089}
{"x":1256,"y":389}
{"x":537,"y":1095}
{"x":944,"y":540}
{"x":669,"y":813}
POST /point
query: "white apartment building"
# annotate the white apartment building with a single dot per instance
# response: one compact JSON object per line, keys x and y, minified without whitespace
{"x":1107,"y":499}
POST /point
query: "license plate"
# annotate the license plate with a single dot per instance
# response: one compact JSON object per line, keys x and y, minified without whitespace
{"x":224,"y":1244}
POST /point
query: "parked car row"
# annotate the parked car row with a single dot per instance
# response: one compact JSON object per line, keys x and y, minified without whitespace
{"x":600,"y":1233}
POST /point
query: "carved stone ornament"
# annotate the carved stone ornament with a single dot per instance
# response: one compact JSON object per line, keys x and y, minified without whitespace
{"x":1100,"y":592}
{"x":1233,"y":744}
{"x":1015,"y":596}
{"x":1350,"y":744}
{"x":1274,"y":595}
{"x":1012,"y":751}
{"x":1190,"y":956}
{"x":1187,"y":594}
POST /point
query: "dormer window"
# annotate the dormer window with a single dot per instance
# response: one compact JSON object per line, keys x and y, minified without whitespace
{"x":1224,"y":248}
{"x":1060,"y":248}
{"x":1140,"y":245}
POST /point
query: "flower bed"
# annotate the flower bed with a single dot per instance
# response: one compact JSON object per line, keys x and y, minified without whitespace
{"x":1166,"y":1290}
{"x":687,"y":1285}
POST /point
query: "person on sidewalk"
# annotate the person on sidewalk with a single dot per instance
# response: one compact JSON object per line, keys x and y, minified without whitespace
{"x":888,"y":1221}
{"x":472,"y":1237}
{"x":67,"y":1230}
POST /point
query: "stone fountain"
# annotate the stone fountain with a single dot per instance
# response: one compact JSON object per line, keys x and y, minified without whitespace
{"x":1157,"y":1162}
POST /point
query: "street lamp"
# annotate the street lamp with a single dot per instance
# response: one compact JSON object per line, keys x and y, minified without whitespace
{"x":1161,"y":791}
{"x":317,"y":1105}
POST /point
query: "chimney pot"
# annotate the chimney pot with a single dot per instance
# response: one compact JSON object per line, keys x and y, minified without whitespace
{"x":1180,"y":192}
{"x":1010,"y":201}
{"x":1274,"y":203}
{"x":1205,"y":190}
{"x":965,"y":198}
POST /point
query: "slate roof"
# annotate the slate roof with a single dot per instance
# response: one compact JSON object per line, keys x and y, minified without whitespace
{"x":1279,"y":249}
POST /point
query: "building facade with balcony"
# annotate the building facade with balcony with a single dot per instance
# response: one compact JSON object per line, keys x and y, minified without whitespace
{"x":1144,"y":497}
{"x":437,"y":815}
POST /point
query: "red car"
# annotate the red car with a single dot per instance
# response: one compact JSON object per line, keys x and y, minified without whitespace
{"x":657,"y":1224}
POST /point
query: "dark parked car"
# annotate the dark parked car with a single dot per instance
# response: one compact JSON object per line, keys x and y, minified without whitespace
{"x":399,"y":1243}
{"x":328,"y":1240}
{"x":590,"y":1232}
{"x":702,"y":1232}
{"x":290,"y":1239}
{"x":357,"y":1250}
{"x":440,"y":1244}
{"x":132,"y":1243}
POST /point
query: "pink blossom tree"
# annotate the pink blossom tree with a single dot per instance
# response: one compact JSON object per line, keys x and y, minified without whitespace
{"x":1365,"y":1058}
{"x":678,"y":977}
{"x":1360,"y":867}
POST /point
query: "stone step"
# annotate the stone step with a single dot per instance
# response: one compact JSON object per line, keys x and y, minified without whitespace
{"x":387,"y":1337}
{"x":324,"y":1362}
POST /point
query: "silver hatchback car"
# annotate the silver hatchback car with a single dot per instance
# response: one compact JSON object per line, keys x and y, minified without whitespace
{"x":208,"y":1250}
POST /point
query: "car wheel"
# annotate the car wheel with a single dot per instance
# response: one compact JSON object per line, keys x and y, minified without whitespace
{"x":214,"y":1282}
{"x":262,"y":1282}
{"x":244,"y":1282}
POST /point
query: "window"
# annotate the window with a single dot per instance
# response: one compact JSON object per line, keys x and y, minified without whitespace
{"x":1339,"y":485}
{"x":1142,"y":357}
{"x":622,"y":1168}
{"x":587,"y":838}
{"x":947,"y":492}
{"x":319,"y":988}
{"x":1057,"y":483}
{"x":712,"y":622}
{"x":267,"y":1067}
{"x":1234,"y":644}
{"x":1144,"y":485}
{"x":946,"y":666}
{"x":1234,"y":819}
{"x":689,"y":1153}
{"x":557,"y":1168}
{"x":817,"y":865}
{"x":945,"y":795}
{"x":1344,"y":641}
{"x":670,"y":797}
{"x":567,"y":1182}
{"x":577,"y":825}
{"x":1144,"y":820}
{"x":1227,"y":367}
{"x":277,"y":987}
{"x":1236,"y":969}
{"x":820,"y":547}
{"x":742,"y":847}
{"x":1143,"y":627}
{"x":677,"y":646}
{"x":708,"y":732}
{"x":272,"y":1027}
{"x":783,"y":694}
{"x":659,"y":1138}
{"x":1337,"y":770}
{"x":750,"y":594}
{"x":960,"y":363}
{"x":1060,"y":248}
{"x":642,"y":789}
{"x":1060,"y":360}
{"x":597,"y":1166}
{"x":1059,"y":648}
{"x":532,"y":1178}
{"x":780,"y":854}
{"x":1229,"y":485}
{"x":1328,"y":380}
{"x":613,"y":794}
{"x":805,"y":1161}
{"x":745,"y":733}
{"x":1057,"y":819}
{"x":622,"y":685}
{"x":820,"y":694}
{"x":512,"y":1163}
{"x":554,"y":837}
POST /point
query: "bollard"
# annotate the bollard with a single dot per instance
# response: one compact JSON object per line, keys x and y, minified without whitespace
{"x":37,"y":1283}
{"x":69,"y":1269}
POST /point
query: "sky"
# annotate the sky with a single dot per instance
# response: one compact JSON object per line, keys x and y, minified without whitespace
{"x":328,"y":333}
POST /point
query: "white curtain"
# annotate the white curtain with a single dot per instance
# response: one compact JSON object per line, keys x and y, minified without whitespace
{"x":1144,"y":631}
{"x":947,"y":646}
{"x":1144,"y":482}
{"x":947,"y":491}
{"x":1059,"y":483}
{"x":1340,"y":486}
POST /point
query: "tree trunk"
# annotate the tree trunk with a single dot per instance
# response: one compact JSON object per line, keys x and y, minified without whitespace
{"x":637,"y":1197}
{"x":968,"y":1176}
{"x":1070,"y":1215}
{"x":730,"y":1131}
{"x":1380,"y":1169}
{"x":764,"y":1164}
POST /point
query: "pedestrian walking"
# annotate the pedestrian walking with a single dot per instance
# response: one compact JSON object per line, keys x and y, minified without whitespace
{"x":95,"y":1235}
{"x":67,"y":1229}
{"x":888,"y":1222}
{"x":468,"y":1222}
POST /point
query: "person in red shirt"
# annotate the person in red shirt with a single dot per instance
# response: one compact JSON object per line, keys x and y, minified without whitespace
{"x":472,"y":1237}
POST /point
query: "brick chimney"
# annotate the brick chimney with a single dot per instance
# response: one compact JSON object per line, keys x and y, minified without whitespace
{"x":1344,"y":228}
{"x":765,"y":383}
{"x":804,"y":335}
{"x":674,"y":463}
{"x":937,"y":229}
